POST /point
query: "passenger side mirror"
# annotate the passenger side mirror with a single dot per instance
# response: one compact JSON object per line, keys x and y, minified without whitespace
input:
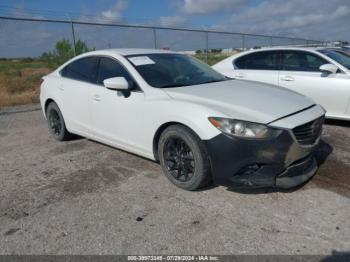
{"x":118,"y":84}
{"x":329,"y":68}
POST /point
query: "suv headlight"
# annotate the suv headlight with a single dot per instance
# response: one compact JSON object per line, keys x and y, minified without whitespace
{"x":241,"y":128}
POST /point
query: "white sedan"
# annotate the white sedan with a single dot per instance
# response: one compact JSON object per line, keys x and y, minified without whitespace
{"x":322,"y":74}
{"x":172,"y":108}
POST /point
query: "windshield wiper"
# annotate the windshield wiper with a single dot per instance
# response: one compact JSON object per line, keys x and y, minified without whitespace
{"x":192,"y":84}
{"x":214,"y":81}
{"x":173,"y":85}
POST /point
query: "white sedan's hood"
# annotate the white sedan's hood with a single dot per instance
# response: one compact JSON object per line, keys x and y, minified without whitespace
{"x":245,"y":100}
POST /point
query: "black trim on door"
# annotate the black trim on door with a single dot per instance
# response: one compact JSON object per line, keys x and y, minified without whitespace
{"x":136,"y":88}
{"x":94,"y":79}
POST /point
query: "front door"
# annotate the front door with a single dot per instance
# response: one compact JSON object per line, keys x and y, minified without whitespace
{"x":116,"y":118}
{"x":300,"y":72}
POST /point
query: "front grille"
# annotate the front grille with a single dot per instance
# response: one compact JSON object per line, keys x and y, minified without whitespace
{"x":308,"y":133}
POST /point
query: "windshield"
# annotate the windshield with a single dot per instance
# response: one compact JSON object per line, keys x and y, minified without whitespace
{"x":172,"y":70}
{"x":340,"y":56}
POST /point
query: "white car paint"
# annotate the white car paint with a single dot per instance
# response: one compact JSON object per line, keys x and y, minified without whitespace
{"x":233,"y":97}
{"x":332,"y":91}
{"x":131,"y":123}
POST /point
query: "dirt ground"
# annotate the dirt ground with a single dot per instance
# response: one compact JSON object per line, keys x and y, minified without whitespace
{"x":82,"y":197}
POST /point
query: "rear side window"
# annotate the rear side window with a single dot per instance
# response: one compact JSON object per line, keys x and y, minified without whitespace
{"x":301,"y":61}
{"x":83,"y":69}
{"x":258,"y":61}
{"x":109,"y":68}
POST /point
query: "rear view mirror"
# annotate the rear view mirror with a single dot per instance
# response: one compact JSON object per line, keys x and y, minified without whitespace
{"x":329,"y":68}
{"x":116,"y":83}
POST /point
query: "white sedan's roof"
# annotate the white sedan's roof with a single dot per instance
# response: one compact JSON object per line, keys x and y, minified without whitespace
{"x":128,"y":51}
{"x":288,"y":48}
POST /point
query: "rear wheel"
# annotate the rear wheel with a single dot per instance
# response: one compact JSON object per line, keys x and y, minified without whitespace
{"x":56,"y":124}
{"x":184,"y":158}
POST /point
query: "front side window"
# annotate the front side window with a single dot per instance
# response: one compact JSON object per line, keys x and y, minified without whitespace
{"x":258,"y":61}
{"x":301,"y":61}
{"x":173,"y":70}
{"x":109,"y":68}
{"x":83,"y":69}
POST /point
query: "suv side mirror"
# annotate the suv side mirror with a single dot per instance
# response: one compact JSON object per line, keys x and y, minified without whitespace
{"x":118,"y":84}
{"x":329,"y":68}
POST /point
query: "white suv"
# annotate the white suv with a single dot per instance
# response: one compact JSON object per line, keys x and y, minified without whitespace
{"x":172,"y":108}
{"x":322,"y":74}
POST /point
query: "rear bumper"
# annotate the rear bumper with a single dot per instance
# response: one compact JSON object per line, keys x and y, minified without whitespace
{"x":277,"y":162}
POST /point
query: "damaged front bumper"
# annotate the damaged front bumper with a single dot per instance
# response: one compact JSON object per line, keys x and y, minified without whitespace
{"x":281,"y":161}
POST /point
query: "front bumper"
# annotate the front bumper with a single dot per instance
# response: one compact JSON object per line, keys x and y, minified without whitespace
{"x":276,"y":162}
{"x":297,"y":173}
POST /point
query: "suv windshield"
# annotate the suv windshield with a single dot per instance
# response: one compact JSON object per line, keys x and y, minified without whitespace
{"x":172,"y":70}
{"x":342,"y":57}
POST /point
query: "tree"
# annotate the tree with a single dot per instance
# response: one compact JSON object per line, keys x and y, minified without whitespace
{"x":218,"y":50}
{"x":63,"y":52}
{"x":81,"y":47}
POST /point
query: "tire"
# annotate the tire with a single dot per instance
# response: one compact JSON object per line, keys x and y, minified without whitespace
{"x":184,"y":158}
{"x":56,"y":124}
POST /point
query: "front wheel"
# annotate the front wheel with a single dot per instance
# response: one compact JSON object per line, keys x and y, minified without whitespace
{"x":184,"y":158}
{"x":56,"y":124}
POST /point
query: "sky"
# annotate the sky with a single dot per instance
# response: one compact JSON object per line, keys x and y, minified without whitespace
{"x":311,"y":19}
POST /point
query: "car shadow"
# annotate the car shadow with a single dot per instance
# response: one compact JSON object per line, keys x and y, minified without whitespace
{"x":322,"y":152}
{"x":208,"y":187}
{"x":336,"y":122}
{"x":337,"y":256}
{"x":321,"y":155}
{"x":75,"y":137}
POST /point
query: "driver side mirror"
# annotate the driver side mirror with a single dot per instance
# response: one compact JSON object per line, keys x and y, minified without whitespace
{"x":118,"y":84}
{"x":329,"y":68}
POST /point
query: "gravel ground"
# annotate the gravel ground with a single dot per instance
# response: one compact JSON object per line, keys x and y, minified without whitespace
{"x":82,"y":197}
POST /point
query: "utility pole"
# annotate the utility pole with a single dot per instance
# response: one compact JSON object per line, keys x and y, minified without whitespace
{"x":73,"y":34}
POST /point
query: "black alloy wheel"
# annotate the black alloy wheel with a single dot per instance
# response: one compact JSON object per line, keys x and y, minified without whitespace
{"x":55,"y":123}
{"x":184,"y":158}
{"x":179,"y":159}
{"x":57,"y":126}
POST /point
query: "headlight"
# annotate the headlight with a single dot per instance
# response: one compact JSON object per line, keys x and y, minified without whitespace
{"x":241,"y":128}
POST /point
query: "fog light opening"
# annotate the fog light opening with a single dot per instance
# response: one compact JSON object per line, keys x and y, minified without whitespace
{"x":249,"y":170}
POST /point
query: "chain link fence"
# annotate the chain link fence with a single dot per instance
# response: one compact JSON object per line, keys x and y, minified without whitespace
{"x":32,"y":47}
{"x":30,"y":37}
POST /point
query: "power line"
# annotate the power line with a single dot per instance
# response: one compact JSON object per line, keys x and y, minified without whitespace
{"x":17,"y":12}
{"x":150,"y":27}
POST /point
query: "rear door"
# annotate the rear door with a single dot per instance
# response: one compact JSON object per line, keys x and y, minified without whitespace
{"x":300,"y":72}
{"x":75,"y":87}
{"x":261,"y":66}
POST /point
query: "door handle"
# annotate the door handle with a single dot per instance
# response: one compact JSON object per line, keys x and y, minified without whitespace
{"x":240,"y":75}
{"x":287,"y":78}
{"x":96,"y":98}
{"x":60,"y":87}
